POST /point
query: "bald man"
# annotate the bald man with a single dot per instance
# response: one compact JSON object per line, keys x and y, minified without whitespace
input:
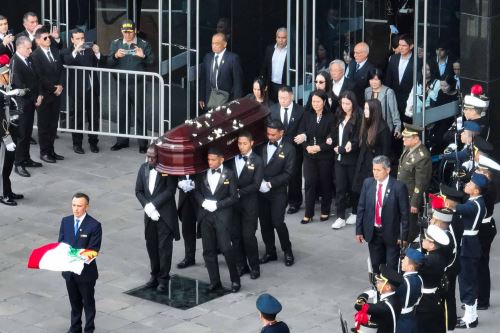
{"x":359,"y":70}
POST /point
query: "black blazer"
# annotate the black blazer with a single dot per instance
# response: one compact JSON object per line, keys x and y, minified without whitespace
{"x":318,"y":133}
{"x":229,"y":79}
{"x":163,"y":197}
{"x":24,"y":77}
{"x":33,"y":43}
{"x":401,"y":89}
{"x":448,"y":70}
{"x":226,"y":195}
{"x":6,"y":49}
{"x":267,"y":66}
{"x":87,"y":59}
{"x":360,"y":79}
{"x":293,"y":124}
{"x":395,"y":209}
{"x":347,"y":85}
{"x":186,"y":199}
{"x":89,"y":237}
{"x":350,"y":134}
{"x":50,"y":74}
{"x":278,"y":171}
{"x":248,"y":183}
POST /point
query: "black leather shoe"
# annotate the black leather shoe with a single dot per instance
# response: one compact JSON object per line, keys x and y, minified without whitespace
{"x":8,"y":201}
{"x":235,"y":287}
{"x":143,"y":149}
{"x":254,"y":274}
{"x":267,"y":258}
{"x":57,"y":157}
{"x":31,"y":164}
{"x":462,"y":324}
{"x":15,"y":196}
{"x":214,"y":286}
{"x":289,"y":260}
{"x":162,"y":287}
{"x":118,"y":146}
{"x":48,"y":159}
{"x":483,"y":307}
{"x":242,"y":270}
{"x":94,"y":148}
{"x":21,"y":171}
{"x":306,"y":220}
{"x":185,"y":263}
{"x":78,"y":149}
{"x":152,"y":283}
{"x":32,"y":141}
{"x":292,"y":210}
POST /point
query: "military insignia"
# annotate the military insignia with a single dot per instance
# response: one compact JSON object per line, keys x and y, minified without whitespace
{"x":421,"y":154}
{"x":416,"y":190}
{"x":226,"y":182}
{"x":164,"y":174}
{"x":250,"y":166}
{"x":281,"y":155}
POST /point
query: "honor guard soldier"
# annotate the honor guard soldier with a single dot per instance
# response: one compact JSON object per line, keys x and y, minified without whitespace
{"x":269,"y":307}
{"x":430,"y":311}
{"x":384,"y":313}
{"x":410,"y":290}
{"x":467,"y":136}
{"x":475,"y":106}
{"x":415,"y":171}
{"x":473,"y":212}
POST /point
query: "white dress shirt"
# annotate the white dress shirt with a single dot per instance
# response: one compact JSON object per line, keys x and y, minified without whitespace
{"x":152,"y":180}
{"x":384,"y":187}
{"x":278,"y":61}
{"x":403,"y":63}
{"x":361,"y":64}
{"x":341,"y":133}
{"x":219,"y":60}
{"x":337,"y":86}
{"x":271,"y":149}
{"x":80,"y":219}
{"x":213,"y":178}
{"x":23,"y":59}
{"x":240,"y":163}
{"x":289,"y":113}
{"x":46,"y":52}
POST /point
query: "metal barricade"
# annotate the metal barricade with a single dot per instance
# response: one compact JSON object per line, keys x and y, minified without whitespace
{"x":113,"y":102}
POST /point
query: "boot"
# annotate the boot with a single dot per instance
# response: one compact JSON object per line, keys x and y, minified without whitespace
{"x":469,"y":319}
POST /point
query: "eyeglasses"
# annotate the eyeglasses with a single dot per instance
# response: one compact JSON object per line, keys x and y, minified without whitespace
{"x":45,"y":38}
{"x":320,"y":82}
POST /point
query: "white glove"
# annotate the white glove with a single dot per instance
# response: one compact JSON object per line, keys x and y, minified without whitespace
{"x":394,"y":30}
{"x":409,"y":111}
{"x":468,"y":165}
{"x":189,"y":185}
{"x":460,"y":123}
{"x":11,"y":146}
{"x":155,"y":216}
{"x":371,"y":293}
{"x":210,"y":205}
{"x":149,"y":208}
{"x":451,"y":148}
{"x":263,"y":187}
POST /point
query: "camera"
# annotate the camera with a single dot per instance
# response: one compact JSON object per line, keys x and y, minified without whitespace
{"x":87,"y":45}
{"x":129,"y":52}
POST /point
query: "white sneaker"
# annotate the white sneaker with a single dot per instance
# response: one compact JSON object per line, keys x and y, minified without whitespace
{"x":351,"y":219}
{"x":339,"y":223}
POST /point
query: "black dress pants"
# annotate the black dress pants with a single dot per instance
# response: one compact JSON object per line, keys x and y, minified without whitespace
{"x":295,"y":197}
{"x":187,"y":215}
{"x":381,"y":252}
{"x":468,"y":279}
{"x":272,"y":207}
{"x":134,"y":98}
{"x":243,"y":228}
{"x":318,"y":172}
{"x":345,"y":197}
{"x":159,"y":239}
{"x":8,"y":163}
{"x":487,"y":232}
{"x":81,"y":297}
{"x":24,"y":131}
{"x":80,"y":111}
{"x":48,"y":119}
{"x":451,"y":302}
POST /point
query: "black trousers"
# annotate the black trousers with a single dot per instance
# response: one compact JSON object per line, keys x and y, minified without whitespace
{"x":468,"y":280}
{"x":187,"y":215}
{"x":81,"y":297}
{"x":273,"y":91}
{"x":84,"y":110}
{"x":48,"y":118}
{"x":7,"y":166}
{"x":295,"y":185}
{"x":159,"y":239}
{"x":135,"y":95}
{"x":381,"y":252}
{"x":272,"y":207}
{"x":487,"y":232}
{"x":431,"y":319}
{"x":345,"y":197}
{"x":243,"y":228}
{"x":24,"y":131}
{"x":215,"y":234}
{"x":318,"y":172}
{"x":451,"y":302}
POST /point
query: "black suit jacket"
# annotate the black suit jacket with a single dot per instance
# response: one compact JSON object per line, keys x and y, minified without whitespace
{"x":89,"y":237}
{"x":349,"y":134}
{"x":225,"y":194}
{"x":347,"y":85}
{"x":267,"y":66}
{"x":163,"y":197}
{"x":295,"y":119}
{"x":24,"y":77}
{"x":401,"y":89}
{"x":6,"y":49}
{"x":360,"y":79}
{"x":33,"y":43}
{"x":395,"y":209}
{"x":278,"y":171}
{"x":229,"y":79}
{"x":186,"y":199}
{"x":86,"y":58}
{"x":50,"y":74}
{"x":248,"y":183}
{"x":318,"y":133}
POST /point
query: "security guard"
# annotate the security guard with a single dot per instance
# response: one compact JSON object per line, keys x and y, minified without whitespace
{"x":384,"y":313}
{"x":410,"y":291}
{"x":415,"y":171}
{"x":473,"y":212}
{"x":269,"y":307}
{"x":430,"y":311}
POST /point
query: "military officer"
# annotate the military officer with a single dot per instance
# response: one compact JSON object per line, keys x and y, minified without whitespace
{"x":475,"y":106}
{"x":269,"y":307}
{"x":415,"y":171}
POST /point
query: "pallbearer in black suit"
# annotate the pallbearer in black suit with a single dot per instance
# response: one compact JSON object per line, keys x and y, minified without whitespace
{"x":315,"y":132}
{"x":49,"y":68}
{"x":216,"y":193}
{"x":156,"y":193}
{"x":249,"y":170}
{"x":81,"y":231}
{"x":359,"y":70}
{"x":187,"y":209}
{"x":279,"y":157}
{"x":382,"y":219}
{"x":290,"y":115}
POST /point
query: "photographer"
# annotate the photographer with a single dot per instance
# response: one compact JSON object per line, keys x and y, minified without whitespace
{"x":6,"y":38}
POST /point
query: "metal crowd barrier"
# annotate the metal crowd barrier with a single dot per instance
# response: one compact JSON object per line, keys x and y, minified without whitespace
{"x":113,"y":102}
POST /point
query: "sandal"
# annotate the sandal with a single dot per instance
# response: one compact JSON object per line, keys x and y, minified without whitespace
{"x":324,"y":217}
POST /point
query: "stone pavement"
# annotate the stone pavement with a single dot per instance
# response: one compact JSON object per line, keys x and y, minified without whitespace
{"x":330,"y":268}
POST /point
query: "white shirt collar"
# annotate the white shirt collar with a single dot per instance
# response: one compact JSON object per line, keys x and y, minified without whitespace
{"x":280,"y":49}
{"x":384,"y":296}
{"x":221,"y":167}
{"x":81,"y":218}
{"x":133,"y":41}
{"x":361,"y":64}
{"x":220,"y":54}
{"x":384,"y":182}
{"x":248,"y":154}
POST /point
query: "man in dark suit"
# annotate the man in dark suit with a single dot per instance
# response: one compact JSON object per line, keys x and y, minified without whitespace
{"x":339,"y":82}
{"x":382,"y":216}
{"x":220,"y":74}
{"x":156,"y":193}
{"x":31,"y":25}
{"x":49,"y":68}
{"x":359,"y":71}
{"x":290,"y":115}
{"x":274,"y":66}
{"x":249,"y":170}
{"x":399,"y":75}
{"x":23,"y":76}
{"x":6,"y":38}
{"x":84,"y":95}
{"x":216,"y":193}
{"x":187,"y":209}
{"x":278,"y":156}
{"x":81,"y":231}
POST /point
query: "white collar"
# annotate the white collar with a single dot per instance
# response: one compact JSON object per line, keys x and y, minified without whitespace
{"x":81,"y":218}
{"x":384,"y":296}
{"x":407,"y":58}
{"x":341,"y":81}
{"x":248,"y":154}
{"x":280,"y":49}
{"x":410,"y":273}
{"x":384,"y":182}
{"x":289,"y":107}
{"x":221,"y":167}
{"x":361,"y":64}
{"x":220,"y":54}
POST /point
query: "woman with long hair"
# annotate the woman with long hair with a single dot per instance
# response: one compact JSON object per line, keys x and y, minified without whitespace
{"x":323,"y":82}
{"x":259,"y":92}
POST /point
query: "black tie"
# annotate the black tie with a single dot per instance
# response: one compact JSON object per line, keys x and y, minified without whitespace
{"x":216,"y":170}
{"x":285,"y":118}
{"x":215,"y":70}
{"x":244,"y":157}
{"x":29,"y":63}
{"x":357,"y":67}
{"x":273,"y":144}
{"x":51,"y":58}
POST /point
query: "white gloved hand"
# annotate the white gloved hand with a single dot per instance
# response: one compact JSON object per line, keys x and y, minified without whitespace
{"x":211,"y":205}
{"x":394,"y":30}
{"x":11,"y":146}
{"x":371,"y":293}
{"x":155,"y":216}
{"x":451,"y":148}
{"x":149,"y":208}
{"x":409,"y":111}
{"x":189,"y":185}
{"x":468,"y":165}
{"x":263,"y":187}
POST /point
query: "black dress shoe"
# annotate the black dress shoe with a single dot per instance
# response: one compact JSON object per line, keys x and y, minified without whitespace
{"x":32,"y":141}
{"x":483,"y":307}
{"x":254,"y":274}
{"x":289,"y":259}
{"x":186,"y":263}
{"x":21,"y":171}
{"x":214,"y":286}
{"x":78,"y":149}
{"x":15,"y":196}
{"x":152,"y":283}
{"x":235,"y":287}
{"x":8,"y":201}
{"x":57,"y":157}
{"x":268,"y":257}
{"x":143,"y":149}
{"x":242,"y":270}
{"x":462,"y":324}
{"x":118,"y":146}
{"x":31,"y":164}
{"x":48,"y":159}
{"x":292,"y":210}
{"x":306,"y":220}
{"x":162,"y":287}
{"x":94,"y":148}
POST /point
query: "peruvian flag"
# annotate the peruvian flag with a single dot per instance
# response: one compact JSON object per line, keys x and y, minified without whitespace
{"x":60,"y":257}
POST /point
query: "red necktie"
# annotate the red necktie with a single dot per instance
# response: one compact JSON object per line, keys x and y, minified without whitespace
{"x":378,"y":207}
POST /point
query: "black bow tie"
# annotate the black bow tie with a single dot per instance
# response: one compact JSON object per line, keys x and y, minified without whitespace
{"x":151,"y":167}
{"x":243,"y":157}
{"x":273,"y":144}
{"x":216,"y":170}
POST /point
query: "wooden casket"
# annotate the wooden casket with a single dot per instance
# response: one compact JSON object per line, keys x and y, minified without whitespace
{"x":183,"y":149}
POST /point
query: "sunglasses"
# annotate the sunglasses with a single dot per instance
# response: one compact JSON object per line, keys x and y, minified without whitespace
{"x":320,"y":82}
{"x":45,"y":38}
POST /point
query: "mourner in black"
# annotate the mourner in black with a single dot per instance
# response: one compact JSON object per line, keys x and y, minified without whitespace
{"x":216,"y":192}
{"x":7,"y":46}
{"x":269,"y":307}
{"x":274,"y":65}
{"x":187,"y":209}
{"x":340,"y":83}
{"x":278,"y":156}
{"x":156,"y":193}
{"x":249,"y":170}
{"x":31,"y":25}
{"x":359,"y":70}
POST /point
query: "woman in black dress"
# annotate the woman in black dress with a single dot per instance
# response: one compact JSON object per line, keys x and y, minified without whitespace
{"x":259,"y":92}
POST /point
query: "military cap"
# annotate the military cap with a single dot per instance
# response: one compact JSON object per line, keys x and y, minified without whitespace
{"x":389,"y":275}
{"x":268,"y":304}
{"x":483,"y":145}
{"x":411,"y":130}
{"x":444,"y":214}
{"x":472,"y":102}
{"x":436,"y":235}
{"x":128,"y":25}
{"x":415,"y":255}
{"x":480,"y":180}
{"x":452,"y":193}
{"x":472,"y":126}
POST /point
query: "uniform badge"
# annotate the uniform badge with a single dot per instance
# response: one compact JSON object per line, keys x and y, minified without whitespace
{"x":250,"y":166}
{"x":281,"y":155}
{"x":226,"y":182}
{"x":421,"y":154}
{"x":164,"y":174}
